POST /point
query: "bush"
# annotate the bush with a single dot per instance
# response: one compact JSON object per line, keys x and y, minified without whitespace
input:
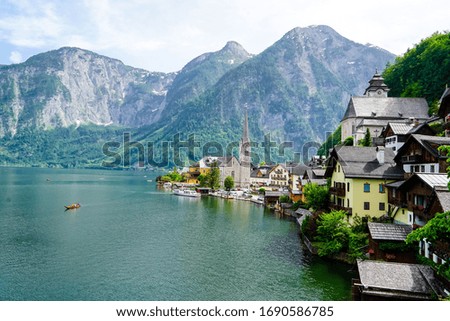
{"x":317,"y":197}
{"x":285,"y":199}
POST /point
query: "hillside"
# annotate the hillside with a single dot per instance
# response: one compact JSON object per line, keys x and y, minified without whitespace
{"x":296,"y":90}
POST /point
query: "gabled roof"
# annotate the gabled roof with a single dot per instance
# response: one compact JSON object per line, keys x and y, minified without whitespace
{"x":444,"y":199}
{"x":299,"y":170}
{"x":362,"y":162}
{"x":387,"y":108}
{"x":427,"y":142}
{"x":388,"y":232}
{"x":401,"y":128}
{"x":432,"y":180}
{"x":389,"y":279}
{"x":444,"y":103}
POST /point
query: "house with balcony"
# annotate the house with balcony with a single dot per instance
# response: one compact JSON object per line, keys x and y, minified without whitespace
{"x":295,"y":183}
{"x":395,"y":133}
{"x":259,"y":177}
{"x":420,"y":154}
{"x":279,"y":177}
{"x":412,"y":197}
{"x":358,"y":176}
{"x":439,"y":202}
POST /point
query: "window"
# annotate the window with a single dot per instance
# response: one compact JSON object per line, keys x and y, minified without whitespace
{"x":348,"y":187}
{"x":339,"y":168}
{"x":422,"y":168}
{"x":431,"y":168}
{"x":366,"y":188}
{"x":348,"y":202}
{"x":381,"y":188}
{"x":366,"y":206}
{"x":381,"y":206}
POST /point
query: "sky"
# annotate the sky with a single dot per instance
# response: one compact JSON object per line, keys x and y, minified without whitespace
{"x":164,"y":35}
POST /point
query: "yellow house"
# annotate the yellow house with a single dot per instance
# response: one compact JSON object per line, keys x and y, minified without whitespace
{"x":195,"y":171}
{"x":358,"y":177}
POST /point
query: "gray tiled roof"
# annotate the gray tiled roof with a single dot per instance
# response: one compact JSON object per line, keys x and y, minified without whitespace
{"x":434,"y":180}
{"x":401,"y":128}
{"x":388,"y":232}
{"x":413,"y":279}
{"x":362,"y":162}
{"x":444,"y":200}
{"x":390,"y":107}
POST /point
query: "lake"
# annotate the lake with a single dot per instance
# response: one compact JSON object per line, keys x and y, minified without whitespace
{"x":131,"y":241}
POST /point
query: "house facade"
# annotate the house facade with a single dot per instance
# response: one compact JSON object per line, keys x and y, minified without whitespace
{"x":358,"y":176}
{"x":420,"y":154}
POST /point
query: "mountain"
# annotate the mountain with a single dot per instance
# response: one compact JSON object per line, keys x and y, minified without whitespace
{"x":71,"y":86}
{"x":296,"y":90}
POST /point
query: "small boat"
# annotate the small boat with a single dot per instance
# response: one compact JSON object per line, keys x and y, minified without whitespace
{"x":72,"y":206}
{"x":186,"y":192}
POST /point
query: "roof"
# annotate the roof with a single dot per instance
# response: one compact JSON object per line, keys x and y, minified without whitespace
{"x":301,"y":211}
{"x":398,"y":279}
{"x":434,"y":180}
{"x":427,"y":142}
{"x":444,"y":103}
{"x":395,"y":184}
{"x":362,"y":162}
{"x":387,"y":108}
{"x":444,"y":199}
{"x":401,"y":128}
{"x":318,"y":172}
{"x":299,"y":170}
{"x":388,"y":232}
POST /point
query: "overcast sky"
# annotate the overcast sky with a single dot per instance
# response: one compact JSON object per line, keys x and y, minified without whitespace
{"x":163,"y":35}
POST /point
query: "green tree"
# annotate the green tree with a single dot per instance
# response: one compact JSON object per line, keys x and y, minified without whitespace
{"x":348,"y":141}
{"x":316,"y":196}
{"x":333,"y":231}
{"x":367,"y":140}
{"x":214,"y":177}
{"x":331,"y":141}
{"x":203,"y":180}
{"x":228,"y":183}
{"x":436,"y":229}
{"x":422,"y":71}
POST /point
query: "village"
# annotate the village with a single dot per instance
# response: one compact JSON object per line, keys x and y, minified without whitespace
{"x":396,"y":183}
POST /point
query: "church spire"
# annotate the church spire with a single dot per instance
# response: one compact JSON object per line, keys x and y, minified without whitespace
{"x":377,"y":87}
{"x":244,"y":148}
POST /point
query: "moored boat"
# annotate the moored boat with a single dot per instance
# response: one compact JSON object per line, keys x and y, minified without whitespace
{"x":186,"y":192}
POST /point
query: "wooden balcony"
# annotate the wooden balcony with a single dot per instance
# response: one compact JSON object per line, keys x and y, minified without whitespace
{"x":341,"y":208}
{"x":411,"y":159}
{"x":338,"y":191}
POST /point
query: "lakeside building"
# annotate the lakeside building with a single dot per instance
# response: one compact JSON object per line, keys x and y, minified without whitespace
{"x":374,"y":110}
{"x":239,"y":169}
{"x":395,"y":135}
{"x":358,"y":176}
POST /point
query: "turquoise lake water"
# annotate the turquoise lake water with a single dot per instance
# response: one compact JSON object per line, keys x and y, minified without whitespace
{"x":131,"y":241}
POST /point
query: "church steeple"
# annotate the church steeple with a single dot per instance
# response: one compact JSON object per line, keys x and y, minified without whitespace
{"x":244,"y":146}
{"x":377,"y":87}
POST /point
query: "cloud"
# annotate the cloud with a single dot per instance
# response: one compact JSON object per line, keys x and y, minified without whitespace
{"x":15,"y":57}
{"x":164,"y":35}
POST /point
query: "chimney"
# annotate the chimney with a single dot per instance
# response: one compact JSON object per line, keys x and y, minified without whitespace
{"x":380,"y":154}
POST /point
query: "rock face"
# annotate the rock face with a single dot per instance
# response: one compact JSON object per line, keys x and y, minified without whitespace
{"x":297,"y":90}
{"x":71,"y":86}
